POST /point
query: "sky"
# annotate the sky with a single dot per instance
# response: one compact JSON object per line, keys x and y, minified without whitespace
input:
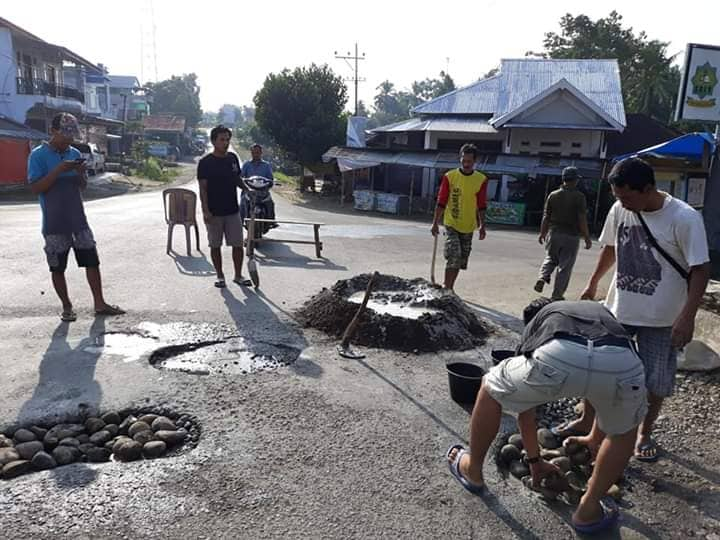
{"x":232,"y":46}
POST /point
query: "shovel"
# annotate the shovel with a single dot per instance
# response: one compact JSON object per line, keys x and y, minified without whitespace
{"x":344,"y":348}
{"x":432,"y":265}
{"x":252,"y":270}
{"x":251,"y":264}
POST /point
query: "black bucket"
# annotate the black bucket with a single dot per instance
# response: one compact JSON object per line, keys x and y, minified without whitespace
{"x":464,"y":380}
{"x":498,"y":355}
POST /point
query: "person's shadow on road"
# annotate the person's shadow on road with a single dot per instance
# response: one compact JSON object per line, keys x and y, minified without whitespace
{"x":67,"y":391}
{"x":260,"y":327}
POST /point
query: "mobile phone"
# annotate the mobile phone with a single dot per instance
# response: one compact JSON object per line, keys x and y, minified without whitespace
{"x":80,"y":160}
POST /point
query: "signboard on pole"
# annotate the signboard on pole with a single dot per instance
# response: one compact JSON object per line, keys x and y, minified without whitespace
{"x":699,"y":96}
{"x":506,"y":213}
{"x":696,"y":192}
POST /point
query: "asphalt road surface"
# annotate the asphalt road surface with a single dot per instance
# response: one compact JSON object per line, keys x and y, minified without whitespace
{"x":323,"y":448}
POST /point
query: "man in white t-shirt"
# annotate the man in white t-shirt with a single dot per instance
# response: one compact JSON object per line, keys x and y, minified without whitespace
{"x":648,"y":294}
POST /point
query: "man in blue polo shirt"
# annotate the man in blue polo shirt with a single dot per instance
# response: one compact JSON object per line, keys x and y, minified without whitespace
{"x":259,"y":167}
{"x":56,"y":173}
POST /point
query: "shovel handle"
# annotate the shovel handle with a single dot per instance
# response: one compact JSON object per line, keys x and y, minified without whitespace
{"x":432,"y":264}
{"x":350,"y":330}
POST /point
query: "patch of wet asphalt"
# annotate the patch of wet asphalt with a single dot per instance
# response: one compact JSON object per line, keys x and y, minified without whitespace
{"x":197,"y":349}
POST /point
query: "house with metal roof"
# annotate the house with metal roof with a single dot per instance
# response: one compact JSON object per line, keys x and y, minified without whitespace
{"x":129,"y":100}
{"x":529,"y":121}
{"x":35,"y":72}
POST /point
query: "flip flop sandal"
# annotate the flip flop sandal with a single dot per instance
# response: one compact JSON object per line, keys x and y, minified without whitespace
{"x":611,"y":513}
{"x":645,"y":447}
{"x":454,"y":467}
{"x":68,"y":316}
{"x":243,"y":282}
{"x":220,"y":283}
{"x":562,"y":430}
{"x":110,"y":310}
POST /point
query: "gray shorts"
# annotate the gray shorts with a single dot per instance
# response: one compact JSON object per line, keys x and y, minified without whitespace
{"x":658,"y":356}
{"x":230,"y":227}
{"x":611,"y":377}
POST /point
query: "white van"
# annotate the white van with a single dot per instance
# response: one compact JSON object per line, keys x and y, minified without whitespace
{"x":95,"y":159}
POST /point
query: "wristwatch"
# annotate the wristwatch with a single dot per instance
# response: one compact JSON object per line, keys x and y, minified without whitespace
{"x":533,"y":460}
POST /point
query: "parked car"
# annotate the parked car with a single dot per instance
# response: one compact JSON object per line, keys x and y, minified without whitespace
{"x":94,"y":158}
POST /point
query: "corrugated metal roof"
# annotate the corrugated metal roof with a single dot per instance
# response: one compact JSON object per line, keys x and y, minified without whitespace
{"x":520,"y":80}
{"x":460,"y":125}
{"x":523,"y":79}
{"x":477,"y":98}
{"x":124,"y":81}
{"x":67,"y":53}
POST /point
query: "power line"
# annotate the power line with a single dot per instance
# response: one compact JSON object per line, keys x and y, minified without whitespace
{"x":356,"y":57}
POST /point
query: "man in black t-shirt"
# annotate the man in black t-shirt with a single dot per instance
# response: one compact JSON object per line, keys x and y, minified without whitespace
{"x":219,"y":177}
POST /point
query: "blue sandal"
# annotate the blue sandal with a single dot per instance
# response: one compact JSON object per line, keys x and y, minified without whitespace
{"x":610,"y":515}
{"x":454,"y":466}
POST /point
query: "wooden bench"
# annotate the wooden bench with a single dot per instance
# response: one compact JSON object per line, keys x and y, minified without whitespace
{"x":316,"y":234}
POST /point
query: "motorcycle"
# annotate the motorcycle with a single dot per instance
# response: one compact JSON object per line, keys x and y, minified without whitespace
{"x":254,"y":205}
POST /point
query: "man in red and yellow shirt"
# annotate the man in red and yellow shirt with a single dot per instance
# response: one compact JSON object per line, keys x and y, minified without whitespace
{"x":461,"y":202}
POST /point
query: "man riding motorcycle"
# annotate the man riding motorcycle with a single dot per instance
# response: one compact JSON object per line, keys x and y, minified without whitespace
{"x":259,"y":167}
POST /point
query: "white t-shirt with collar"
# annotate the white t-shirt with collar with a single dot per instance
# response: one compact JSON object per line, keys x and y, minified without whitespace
{"x":646,"y":290}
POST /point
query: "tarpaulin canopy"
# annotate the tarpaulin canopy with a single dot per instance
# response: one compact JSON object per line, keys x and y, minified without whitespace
{"x":693,"y":147}
{"x":345,"y":164}
{"x":361,"y":158}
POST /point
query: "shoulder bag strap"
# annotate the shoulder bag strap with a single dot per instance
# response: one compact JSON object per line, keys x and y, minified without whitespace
{"x":684,"y":273}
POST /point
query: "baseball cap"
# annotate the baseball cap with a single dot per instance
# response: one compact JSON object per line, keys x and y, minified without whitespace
{"x":571,"y":173}
{"x":67,"y":125}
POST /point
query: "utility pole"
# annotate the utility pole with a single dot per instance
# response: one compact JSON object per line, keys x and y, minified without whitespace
{"x":356,"y":57}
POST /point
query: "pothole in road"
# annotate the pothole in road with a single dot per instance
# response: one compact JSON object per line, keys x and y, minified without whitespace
{"x":127,"y":435}
{"x":222,"y":357}
{"x":198,"y":349}
{"x":402,"y":314}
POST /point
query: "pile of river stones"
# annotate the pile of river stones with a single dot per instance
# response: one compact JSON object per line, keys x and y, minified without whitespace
{"x":557,"y":412}
{"x":573,"y":460}
{"x":120,"y":437}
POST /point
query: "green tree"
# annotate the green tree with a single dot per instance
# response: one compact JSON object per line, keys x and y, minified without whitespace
{"x":432,"y":88}
{"x":392,"y":105}
{"x":302,"y":110}
{"x":650,"y":80}
{"x":178,"y":95}
{"x":209,"y":119}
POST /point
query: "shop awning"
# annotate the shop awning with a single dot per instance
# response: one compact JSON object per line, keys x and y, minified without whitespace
{"x":693,"y":147}
{"x":362,"y":158}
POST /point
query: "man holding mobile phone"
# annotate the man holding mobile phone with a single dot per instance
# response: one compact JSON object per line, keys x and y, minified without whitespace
{"x":56,"y":173}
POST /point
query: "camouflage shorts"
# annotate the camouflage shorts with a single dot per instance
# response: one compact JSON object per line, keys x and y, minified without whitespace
{"x":457,"y":249}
